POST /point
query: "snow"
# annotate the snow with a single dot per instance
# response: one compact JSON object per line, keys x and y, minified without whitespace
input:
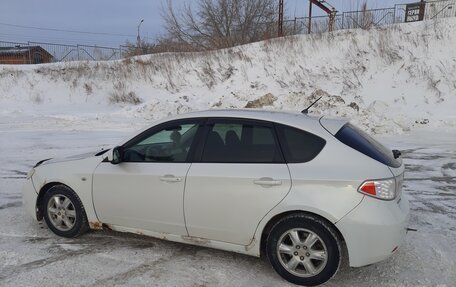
{"x":388,"y":80}
{"x":396,"y":82}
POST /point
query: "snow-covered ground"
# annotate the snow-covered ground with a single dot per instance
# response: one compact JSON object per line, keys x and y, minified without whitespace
{"x":31,"y":255}
{"x":397,"y":82}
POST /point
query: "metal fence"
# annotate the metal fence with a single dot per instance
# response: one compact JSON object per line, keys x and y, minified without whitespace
{"x":63,"y":52}
{"x":367,"y":19}
{"x":364,"y":19}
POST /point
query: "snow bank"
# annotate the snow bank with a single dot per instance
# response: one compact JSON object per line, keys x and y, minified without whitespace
{"x":387,"y":80}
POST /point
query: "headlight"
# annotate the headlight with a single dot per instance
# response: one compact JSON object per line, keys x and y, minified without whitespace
{"x":30,"y":173}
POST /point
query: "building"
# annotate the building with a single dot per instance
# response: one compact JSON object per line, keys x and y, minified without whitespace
{"x":24,"y":55}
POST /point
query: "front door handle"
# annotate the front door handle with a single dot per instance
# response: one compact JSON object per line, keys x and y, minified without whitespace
{"x":170,"y":178}
{"x":267,"y":181}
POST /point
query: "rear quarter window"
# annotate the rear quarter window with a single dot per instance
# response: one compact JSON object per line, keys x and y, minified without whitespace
{"x":364,"y":143}
{"x":298,"y":145}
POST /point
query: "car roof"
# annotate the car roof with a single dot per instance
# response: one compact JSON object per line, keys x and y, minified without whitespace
{"x":244,"y":113}
{"x":296,"y":119}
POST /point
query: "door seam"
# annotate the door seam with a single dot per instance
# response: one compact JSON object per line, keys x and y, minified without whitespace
{"x":183,"y":198}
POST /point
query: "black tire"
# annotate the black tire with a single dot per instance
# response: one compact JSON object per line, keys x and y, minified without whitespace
{"x":79,"y":222}
{"x":326,"y":234}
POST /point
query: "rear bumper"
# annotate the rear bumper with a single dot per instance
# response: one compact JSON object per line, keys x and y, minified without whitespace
{"x":374,"y":229}
{"x":29,"y":197}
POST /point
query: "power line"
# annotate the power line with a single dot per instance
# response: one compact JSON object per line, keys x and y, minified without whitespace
{"x":57,"y":40}
{"x":68,"y":31}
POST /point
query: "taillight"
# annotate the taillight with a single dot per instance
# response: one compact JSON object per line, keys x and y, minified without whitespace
{"x":379,"y":188}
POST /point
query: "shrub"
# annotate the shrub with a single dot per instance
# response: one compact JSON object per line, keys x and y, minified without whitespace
{"x":120,"y":95}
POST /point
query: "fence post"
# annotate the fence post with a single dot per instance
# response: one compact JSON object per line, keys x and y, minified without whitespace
{"x":394,"y":15}
{"x":77,"y":49}
{"x":294,"y":26}
{"x":29,"y":54}
{"x":343,"y":18}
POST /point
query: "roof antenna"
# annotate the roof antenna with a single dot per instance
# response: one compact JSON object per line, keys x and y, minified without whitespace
{"x":306,"y":110}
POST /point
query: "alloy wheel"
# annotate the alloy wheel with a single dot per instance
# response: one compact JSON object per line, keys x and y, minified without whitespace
{"x":61,"y":212}
{"x":302,"y":252}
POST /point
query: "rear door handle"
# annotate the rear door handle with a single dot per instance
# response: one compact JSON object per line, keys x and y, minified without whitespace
{"x":170,"y":178}
{"x":267,"y":181}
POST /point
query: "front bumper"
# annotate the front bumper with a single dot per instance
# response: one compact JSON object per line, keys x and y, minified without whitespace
{"x":374,"y":229}
{"x":29,"y":197}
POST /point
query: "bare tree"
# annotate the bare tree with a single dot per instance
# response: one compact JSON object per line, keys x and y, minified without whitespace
{"x":362,"y":16}
{"x":132,"y":49}
{"x":216,"y":24}
{"x":366,"y":18}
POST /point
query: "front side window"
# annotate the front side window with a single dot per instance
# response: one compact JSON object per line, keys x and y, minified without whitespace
{"x":241,"y":142}
{"x":169,"y":144}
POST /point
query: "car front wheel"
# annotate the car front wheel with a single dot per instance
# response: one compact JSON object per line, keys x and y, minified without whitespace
{"x":304,"y":250}
{"x":63,"y":212}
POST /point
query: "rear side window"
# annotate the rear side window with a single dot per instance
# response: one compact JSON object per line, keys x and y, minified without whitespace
{"x":299,"y":146}
{"x":241,"y":142}
{"x":364,"y":143}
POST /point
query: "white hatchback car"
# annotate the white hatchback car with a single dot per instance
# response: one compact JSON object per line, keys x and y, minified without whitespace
{"x":296,"y":188}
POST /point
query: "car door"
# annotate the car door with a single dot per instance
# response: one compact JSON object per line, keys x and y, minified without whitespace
{"x":237,"y":177}
{"x":145,"y":191}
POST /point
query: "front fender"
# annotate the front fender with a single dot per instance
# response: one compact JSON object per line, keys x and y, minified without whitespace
{"x":76,"y":174}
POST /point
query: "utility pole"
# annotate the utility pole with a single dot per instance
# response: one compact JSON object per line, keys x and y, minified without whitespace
{"x":310,"y":18}
{"x":138,"y":38}
{"x":280,"y":28}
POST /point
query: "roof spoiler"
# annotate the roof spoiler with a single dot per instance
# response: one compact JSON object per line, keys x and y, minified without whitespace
{"x":332,"y":125}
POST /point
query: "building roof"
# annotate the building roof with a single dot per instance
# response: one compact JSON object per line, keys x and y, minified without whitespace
{"x":21,"y":50}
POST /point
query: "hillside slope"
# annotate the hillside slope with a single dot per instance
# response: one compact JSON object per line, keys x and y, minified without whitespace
{"x":388,"y":80}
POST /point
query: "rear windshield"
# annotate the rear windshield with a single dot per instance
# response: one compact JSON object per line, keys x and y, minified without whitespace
{"x":364,"y":143}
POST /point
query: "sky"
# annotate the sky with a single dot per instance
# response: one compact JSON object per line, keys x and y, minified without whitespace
{"x":114,"y":22}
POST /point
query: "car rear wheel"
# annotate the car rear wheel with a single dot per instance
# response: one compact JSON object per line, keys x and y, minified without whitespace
{"x":304,"y":250}
{"x":63,"y":212}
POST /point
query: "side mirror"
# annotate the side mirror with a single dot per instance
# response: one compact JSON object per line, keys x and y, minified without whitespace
{"x":116,"y":155}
